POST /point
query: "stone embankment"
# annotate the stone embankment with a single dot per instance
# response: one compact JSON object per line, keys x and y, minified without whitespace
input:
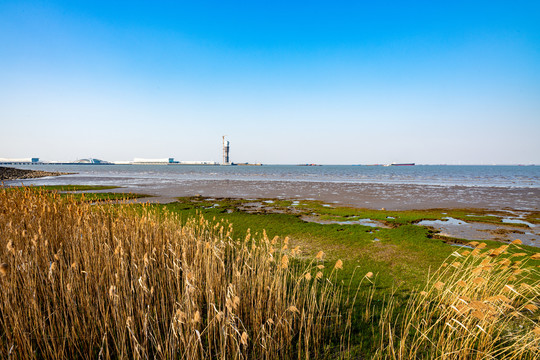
{"x":7,"y":173}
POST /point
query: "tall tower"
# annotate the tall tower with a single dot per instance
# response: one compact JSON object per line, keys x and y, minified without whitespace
{"x":225,"y":151}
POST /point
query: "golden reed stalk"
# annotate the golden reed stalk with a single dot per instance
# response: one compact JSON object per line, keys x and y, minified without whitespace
{"x":84,"y":281}
{"x":479,"y":305}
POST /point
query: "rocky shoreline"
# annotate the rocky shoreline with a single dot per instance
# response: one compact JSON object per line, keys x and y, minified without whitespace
{"x":7,"y":173}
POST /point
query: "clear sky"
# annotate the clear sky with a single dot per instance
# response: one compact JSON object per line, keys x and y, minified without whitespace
{"x":343,"y":82}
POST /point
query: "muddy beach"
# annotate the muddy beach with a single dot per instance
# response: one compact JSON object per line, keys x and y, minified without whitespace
{"x":361,"y":195}
{"x":372,"y":196}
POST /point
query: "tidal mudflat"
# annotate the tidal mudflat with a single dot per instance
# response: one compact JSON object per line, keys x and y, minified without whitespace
{"x":393,"y":188}
{"x":372,"y":195}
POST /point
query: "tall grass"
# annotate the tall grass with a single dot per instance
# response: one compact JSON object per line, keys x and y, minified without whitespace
{"x":89,"y":281}
{"x":480,"y":305}
{"x":84,"y":281}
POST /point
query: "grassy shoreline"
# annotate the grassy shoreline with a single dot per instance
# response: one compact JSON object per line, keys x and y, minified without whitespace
{"x":339,"y":291}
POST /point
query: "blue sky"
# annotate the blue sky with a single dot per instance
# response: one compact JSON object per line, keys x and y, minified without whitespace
{"x":288,"y":82}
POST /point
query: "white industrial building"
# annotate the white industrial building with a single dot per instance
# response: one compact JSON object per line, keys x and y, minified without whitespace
{"x":163,"y":161}
{"x":19,"y":161}
{"x":168,"y":161}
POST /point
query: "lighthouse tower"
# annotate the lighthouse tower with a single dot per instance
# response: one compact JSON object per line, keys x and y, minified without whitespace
{"x":225,"y":152}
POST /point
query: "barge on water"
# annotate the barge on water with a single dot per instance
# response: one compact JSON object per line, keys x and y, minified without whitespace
{"x":404,"y":164}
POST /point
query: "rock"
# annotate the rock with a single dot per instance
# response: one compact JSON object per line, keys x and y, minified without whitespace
{"x":7,"y":173}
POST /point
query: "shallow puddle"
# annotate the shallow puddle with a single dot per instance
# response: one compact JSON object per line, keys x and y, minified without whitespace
{"x":364,"y":222}
{"x":517,"y":221}
{"x":447,"y":221}
{"x":451,"y":227}
{"x":462,"y":246}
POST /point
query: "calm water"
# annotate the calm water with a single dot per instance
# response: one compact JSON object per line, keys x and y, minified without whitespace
{"x":484,"y":176}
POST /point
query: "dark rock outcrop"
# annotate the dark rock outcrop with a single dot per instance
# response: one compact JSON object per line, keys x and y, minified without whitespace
{"x":7,"y":173}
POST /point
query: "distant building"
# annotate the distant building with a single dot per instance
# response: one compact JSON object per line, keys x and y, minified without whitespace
{"x":169,"y":161}
{"x":163,"y":161}
{"x":197,"y":163}
{"x":92,"y":161}
{"x":19,"y":161}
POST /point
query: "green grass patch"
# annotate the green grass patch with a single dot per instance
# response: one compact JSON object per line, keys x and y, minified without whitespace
{"x":533,"y":217}
{"x":402,"y":255}
{"x":75,"y":187}
{"x":93,"y":197}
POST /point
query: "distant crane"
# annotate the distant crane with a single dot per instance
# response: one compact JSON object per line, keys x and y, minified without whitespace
{"x":225,"y":151}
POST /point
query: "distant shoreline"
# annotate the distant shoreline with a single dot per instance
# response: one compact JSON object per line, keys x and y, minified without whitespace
{"x":202,"y":163}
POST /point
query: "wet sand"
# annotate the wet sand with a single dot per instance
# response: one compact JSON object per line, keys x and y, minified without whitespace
{"x":361,"y":195}
{"x":374,"y":196}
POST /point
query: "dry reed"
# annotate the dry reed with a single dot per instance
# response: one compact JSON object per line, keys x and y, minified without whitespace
{"x":84,"y":281}
{"x":474,"y":307}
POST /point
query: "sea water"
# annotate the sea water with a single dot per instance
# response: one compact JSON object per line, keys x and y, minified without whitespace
{"x":443,"y":175}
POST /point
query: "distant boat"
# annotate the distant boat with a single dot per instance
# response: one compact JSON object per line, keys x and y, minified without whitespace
{"x":404,"y":164}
